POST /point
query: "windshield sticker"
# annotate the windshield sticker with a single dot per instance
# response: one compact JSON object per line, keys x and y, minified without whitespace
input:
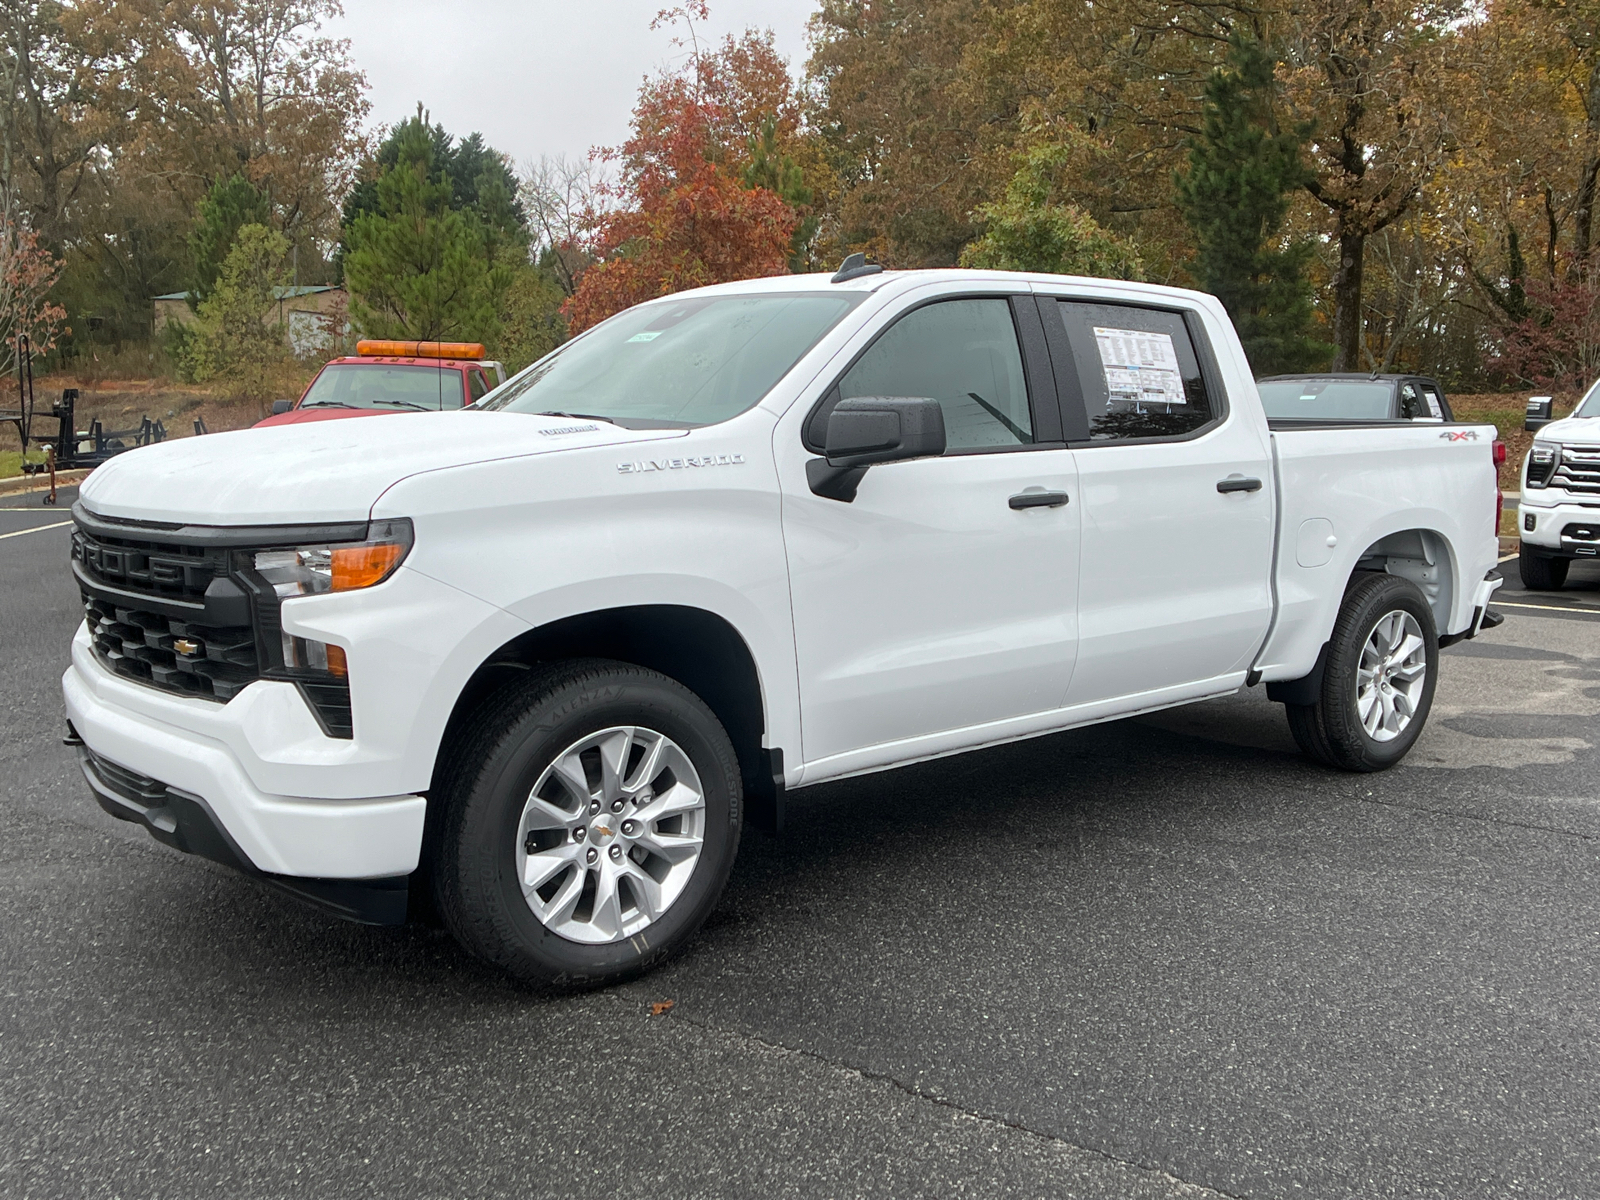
{"x":649,"y":335}
{"x":560,"y":429}
{"x":1140,"y":367}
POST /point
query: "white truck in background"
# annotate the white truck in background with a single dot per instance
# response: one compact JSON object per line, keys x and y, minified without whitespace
{"x":539,"y":661}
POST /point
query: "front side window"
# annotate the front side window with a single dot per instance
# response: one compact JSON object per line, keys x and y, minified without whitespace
{"x":1137,"y":370}
{"x":962,"y":353}
{"x":676,"y":363}
{"x":476,"y":385}
{"x":1589,"y":406}
{"x":385,"y":386}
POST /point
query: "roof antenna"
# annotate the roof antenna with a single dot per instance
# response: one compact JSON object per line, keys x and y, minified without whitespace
{"x":854,"y":267}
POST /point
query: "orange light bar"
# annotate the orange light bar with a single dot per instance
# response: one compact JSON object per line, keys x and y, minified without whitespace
{"x":419,"y":349}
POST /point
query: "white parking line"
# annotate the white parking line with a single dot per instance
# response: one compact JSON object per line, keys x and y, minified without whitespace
{"x":35,"y":529}
{"x":1546,"y":607}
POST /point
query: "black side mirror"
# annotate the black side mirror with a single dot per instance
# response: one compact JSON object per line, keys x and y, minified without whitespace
{"x":1539,"y":414}
{"x":279,"y":407}
{"x":867,"y":430}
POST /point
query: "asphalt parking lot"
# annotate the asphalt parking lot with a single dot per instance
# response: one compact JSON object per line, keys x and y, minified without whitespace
{"x":1157,"y":958}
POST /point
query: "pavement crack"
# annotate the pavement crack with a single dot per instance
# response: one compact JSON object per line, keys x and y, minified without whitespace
{"x":1486,"y":819}
{"x":1182,"y":1187}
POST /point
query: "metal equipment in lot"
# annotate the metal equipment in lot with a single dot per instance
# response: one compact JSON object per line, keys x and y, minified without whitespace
{"x":67,"y":447}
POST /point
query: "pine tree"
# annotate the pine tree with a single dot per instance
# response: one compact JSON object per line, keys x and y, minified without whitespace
{"x":230,"y":205}
{"x":776,"y":171}
{"x":418,"y":267}
{"x":1242,"y":170}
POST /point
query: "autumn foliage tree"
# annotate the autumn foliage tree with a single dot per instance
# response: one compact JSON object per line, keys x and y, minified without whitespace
{"x":27,"y":273}
{"x":684,"y":214}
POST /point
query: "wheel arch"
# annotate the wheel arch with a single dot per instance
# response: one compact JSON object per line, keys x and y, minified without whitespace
{"x":1423,"y":556}
{"x":699,"y":648}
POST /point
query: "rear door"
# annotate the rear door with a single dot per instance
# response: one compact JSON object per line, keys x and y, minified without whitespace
{"x":1176,"y":502}
{"x":943,"y":596}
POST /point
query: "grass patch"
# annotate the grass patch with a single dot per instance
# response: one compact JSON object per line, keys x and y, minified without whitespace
{"x":1506,"y":413}
{"x":11,"y":461}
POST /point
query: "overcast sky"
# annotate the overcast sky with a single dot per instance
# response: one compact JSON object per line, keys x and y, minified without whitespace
{"x":533,"y":76}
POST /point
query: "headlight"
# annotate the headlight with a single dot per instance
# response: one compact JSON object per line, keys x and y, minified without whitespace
{"x":1543,"y":460}
{"x":338,"y":567}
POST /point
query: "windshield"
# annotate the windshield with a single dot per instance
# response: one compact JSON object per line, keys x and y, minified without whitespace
{"x":384,"y":385}
{"x":1589,"y":406}
{"x":1327,"y":399}
{"x":675,"y":363}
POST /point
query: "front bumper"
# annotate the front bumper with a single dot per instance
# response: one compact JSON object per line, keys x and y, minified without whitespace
{"x":1551,"y":528}
{"x":186,"y":822}
{"x":155,"y":736}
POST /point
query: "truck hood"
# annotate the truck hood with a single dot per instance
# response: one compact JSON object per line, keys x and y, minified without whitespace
{"x":323,"y":470}
{"x":1572,"y":431}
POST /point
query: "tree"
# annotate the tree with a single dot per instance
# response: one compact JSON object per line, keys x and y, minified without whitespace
{"x":531,"y":323}
{"x":1360,"y":73}
{"x":563,"y":200}
{"x":479,"y":181}
{"x":684,"y":215}
{"x":772,"y":168}
{"x":1235,"y":196}
{"x":1557,"y":344}
{"x":418,"y":267}
{"x":27,"y":274}
{"x":230,"y":205}
{"x":236,"y":339}
{"x":1033,"y":229}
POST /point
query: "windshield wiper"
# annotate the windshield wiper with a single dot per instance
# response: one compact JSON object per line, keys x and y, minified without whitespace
{"x":572,"y":416}
{"x":405,"y":404}
{"x":329,"y":404}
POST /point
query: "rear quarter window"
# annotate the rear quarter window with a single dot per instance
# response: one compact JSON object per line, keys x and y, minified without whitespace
{"x":1138,"y":371}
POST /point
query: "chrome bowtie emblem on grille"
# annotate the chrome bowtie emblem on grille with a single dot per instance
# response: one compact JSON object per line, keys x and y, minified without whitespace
{"x":679,"y":464}
{"x":187,"y":647}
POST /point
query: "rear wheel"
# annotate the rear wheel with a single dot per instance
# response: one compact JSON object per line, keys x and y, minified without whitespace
{"x":1541,"y":573}
{"x":1378,"y":679}
{"x":590,"y":819}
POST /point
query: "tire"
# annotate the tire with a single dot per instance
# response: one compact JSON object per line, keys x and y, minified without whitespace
{"x":1333,"y":731}
{"x":551,"y":732}
{"x":1541,"y":573}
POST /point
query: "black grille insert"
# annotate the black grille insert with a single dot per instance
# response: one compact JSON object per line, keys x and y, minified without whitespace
{"x":186,"y":657}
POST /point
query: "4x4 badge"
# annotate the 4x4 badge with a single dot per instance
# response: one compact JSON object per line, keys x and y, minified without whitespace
{"x":1460,"y":435}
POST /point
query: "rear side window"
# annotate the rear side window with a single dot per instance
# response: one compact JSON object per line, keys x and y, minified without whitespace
{"x":965,"y":355}
{"x":1137,"y":370}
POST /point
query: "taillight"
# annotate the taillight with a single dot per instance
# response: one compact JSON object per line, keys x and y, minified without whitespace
{"x":1499,"y":453}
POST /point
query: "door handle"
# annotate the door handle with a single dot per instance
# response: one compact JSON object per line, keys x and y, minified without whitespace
{"x":1039,"y":499}
{"x":1238,"y":485}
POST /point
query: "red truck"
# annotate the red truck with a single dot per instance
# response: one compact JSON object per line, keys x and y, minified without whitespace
{"x":389,"y":377}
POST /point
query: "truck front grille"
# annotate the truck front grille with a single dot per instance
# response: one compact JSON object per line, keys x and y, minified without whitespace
{"x":160,"y":571}
{"x":215,"y":662}
{"x":1578,"y":472}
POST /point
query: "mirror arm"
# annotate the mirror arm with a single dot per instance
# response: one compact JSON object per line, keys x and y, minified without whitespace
{"x":831,"y":482}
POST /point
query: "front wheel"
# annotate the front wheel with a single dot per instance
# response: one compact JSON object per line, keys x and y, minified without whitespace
{"x":590,"y":818}
{"x":1541,"y":573}
{"x":1378,"y":679}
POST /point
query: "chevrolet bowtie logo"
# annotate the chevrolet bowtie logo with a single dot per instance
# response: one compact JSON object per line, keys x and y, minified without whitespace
{"x":187,"y":647}
{"x":603,"y":830}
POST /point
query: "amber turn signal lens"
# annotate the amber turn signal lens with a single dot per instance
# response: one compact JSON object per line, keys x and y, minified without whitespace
{"x":337,"y":663}
{"x":362,"y":566}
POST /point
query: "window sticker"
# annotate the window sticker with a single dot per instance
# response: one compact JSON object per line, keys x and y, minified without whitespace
{"x":1140,"y":367}
{"x":1434,"y":407}
{"x":649,"y":335}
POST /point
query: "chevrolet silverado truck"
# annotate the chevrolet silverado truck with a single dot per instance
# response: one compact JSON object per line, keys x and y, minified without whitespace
{"x":531,"y":667}
{"x":1558,"y":514}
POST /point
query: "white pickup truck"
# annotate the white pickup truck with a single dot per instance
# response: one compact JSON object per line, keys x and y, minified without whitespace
{"x":537,"y":662}
{"x":1559,"y":512}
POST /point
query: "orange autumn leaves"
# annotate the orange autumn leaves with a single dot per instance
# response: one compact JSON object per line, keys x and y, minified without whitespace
{"x":683,"y":214}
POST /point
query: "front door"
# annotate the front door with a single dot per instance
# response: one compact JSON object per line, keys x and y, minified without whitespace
{"x":1176,"y":504}
{"x":931,"y":603}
